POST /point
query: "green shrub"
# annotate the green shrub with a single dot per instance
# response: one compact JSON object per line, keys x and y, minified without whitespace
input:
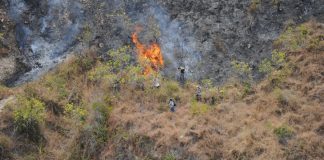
{"x":119,"y":59}
{"x":247,"y":89}
{"x":207,"y":83}
{"x":28,"y":117}
{"x":265,"y":66}
{"x":169,"y":157}
{"x":283,"y":132}
{"x":242,"y":69}
{"x":117,"y":69}
{"x":100,"y":129}
{"x":77,"y":112}
{"x":278,"y":76}
{"x":172,"y":87}
{"x":93,"y":136}
{"x":223,"y":92}
{"x":298,"y":38}
{"x":197,"y":108}
{"x":278,"y":58}
{"x":86,"y":35}
{"x":57,"y":86}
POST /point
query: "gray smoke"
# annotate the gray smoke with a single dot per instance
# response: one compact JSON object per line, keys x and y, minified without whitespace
{"x":45,"y":34}
{"x":48,"y":30}
{"x":178,"y":46}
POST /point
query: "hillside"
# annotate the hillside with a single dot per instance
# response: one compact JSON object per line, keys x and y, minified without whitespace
{"x":204,"y":36}
{"x":92,"y":108}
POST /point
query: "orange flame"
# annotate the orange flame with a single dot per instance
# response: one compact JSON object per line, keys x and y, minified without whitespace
{"x":150,"y":57}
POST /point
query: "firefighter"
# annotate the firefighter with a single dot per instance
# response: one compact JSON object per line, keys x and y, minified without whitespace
{"x":156,"y":83}
{"x":198,"y":94}
{"x":172,"y":105}
{"x":182,"y":74}
{"x":116,"y":86}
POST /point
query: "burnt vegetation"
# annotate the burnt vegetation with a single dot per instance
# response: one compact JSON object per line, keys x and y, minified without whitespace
{"x":261,"y":95}
{"x":89,"y":108}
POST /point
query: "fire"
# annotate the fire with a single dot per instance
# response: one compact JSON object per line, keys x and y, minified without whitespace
{"x":150,"y":57}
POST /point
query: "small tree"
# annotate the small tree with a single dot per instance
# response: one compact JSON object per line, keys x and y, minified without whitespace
{"x":28,"y":117}
{"x":114,"y":70}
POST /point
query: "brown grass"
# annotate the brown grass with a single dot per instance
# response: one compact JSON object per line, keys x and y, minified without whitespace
{"x":141,"y":126}
{"x":233,"y":129}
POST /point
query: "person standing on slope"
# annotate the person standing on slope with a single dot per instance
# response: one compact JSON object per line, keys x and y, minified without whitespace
{"x":172,"y":105}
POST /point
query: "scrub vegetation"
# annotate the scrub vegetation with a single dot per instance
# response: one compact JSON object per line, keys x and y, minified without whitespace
{"x":90,"y":108}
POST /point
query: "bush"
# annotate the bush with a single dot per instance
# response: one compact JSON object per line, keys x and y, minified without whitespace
{"x":223,"y":93}
{"x":28,"y":117}
{"x":86,"y":35}
{"x":265,"y":66}
{"x":283,"y":132}
{"x":169,"y":89}
{"x":197,"y":108}
{"x":85,"y":63}
{"x":210,"y":95}
{"x":57,"y":85}
{"x":116,"y":70}
{"x":242,"y":69}
{"x":77,"y":112}
{"x":93,"y":136}
{"x":172,"y":87}
{"x":169,"y":157}
{"x":207,"y":83}
{"x":277,"y":92}
{"x":247,"y":89}
{"x":278,"y":58}
{"x":298,"y":38}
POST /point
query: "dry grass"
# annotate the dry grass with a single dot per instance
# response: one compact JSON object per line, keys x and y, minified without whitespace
{"x":234,"y":129}
{"x":281,"y":122}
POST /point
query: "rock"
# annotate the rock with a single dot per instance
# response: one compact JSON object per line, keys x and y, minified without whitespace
{"x":101,"y":45}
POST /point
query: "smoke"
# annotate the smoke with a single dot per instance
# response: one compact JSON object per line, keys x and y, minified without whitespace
{"x":45,"y":34}
{"x":48,"y":30}
{"x":178,"y":46}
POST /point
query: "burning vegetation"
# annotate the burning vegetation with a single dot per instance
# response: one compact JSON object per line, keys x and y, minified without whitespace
{"x":149,"y":56}
{"x":107,"y":110}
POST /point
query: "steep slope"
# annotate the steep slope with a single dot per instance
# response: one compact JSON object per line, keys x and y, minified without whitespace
{"x":93,"y":109}
{"x":12,"y":62}
{"x":190,"y":32}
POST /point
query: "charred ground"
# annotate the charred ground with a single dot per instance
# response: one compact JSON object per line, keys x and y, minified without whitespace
{"x":189,"y":32}
{"x":79,"y":106}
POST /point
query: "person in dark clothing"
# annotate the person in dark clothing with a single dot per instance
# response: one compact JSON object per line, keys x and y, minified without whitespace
{"x":182,"y":75}
{"x":172,"y":105}
{"x":116,"y":86}
{"x":198,"y":94}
